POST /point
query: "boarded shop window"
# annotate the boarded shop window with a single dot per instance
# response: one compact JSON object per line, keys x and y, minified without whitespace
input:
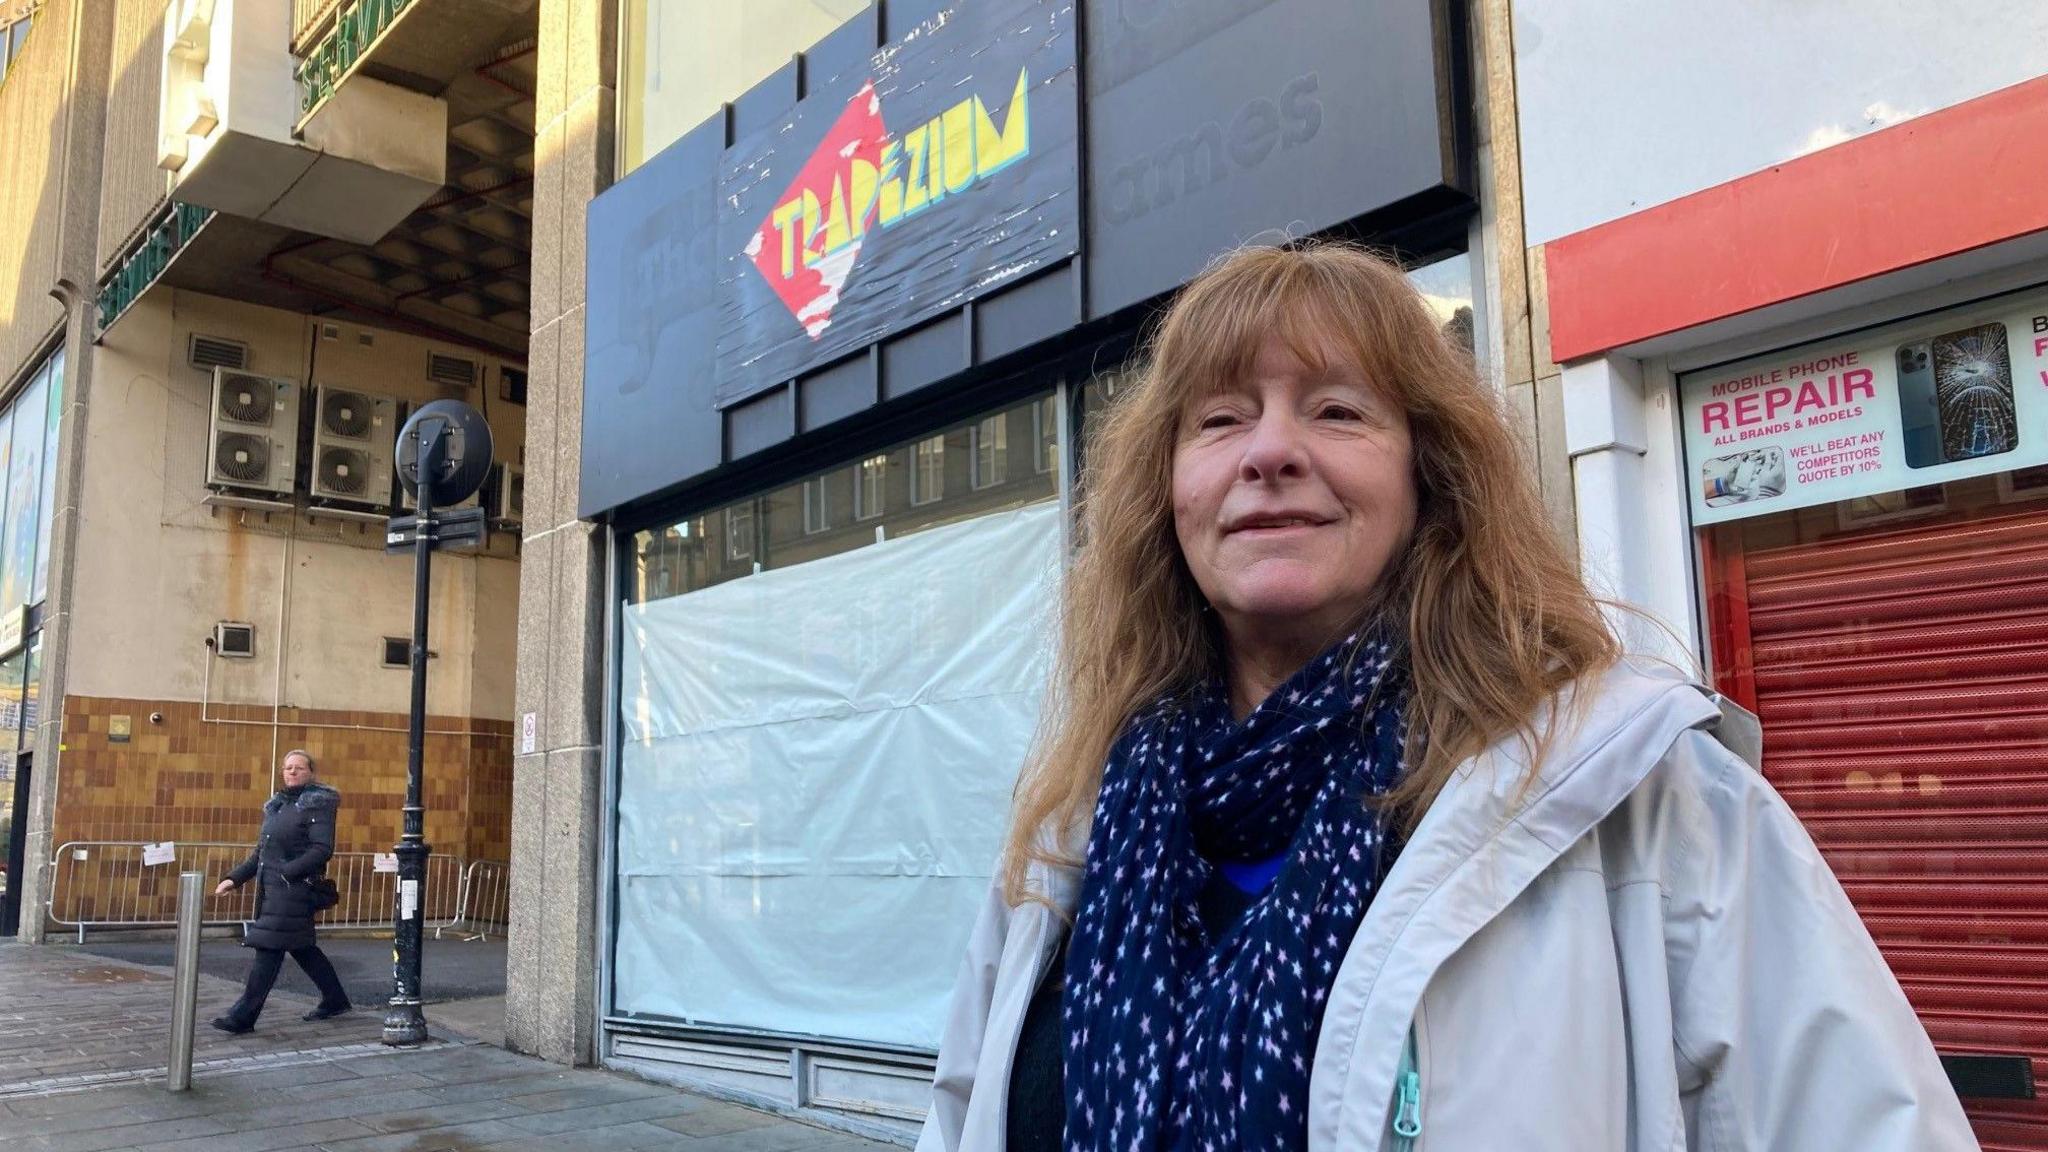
{"x":808,"y":811}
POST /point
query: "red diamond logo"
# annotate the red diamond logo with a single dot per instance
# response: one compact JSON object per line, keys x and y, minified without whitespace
{"x":807,"y":244}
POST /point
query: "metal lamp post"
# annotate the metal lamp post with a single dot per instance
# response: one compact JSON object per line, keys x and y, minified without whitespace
{"x":444,"y":452}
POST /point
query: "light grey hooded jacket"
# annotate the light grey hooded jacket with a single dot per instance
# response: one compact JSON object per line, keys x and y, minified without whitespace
{"x":1640,"y":952}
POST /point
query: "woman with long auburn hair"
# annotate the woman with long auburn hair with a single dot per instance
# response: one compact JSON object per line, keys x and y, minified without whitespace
{"x":1352,"y":827}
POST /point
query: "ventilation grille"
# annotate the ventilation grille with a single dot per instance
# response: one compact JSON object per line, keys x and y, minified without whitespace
{"x":232,"y":639}
{"x":345,"y":471}
{"x":454,"y":371}
{"x":512,"y":385}
{"x":242,"y":456}
{"x":248,"y":399}
{"x":345,"y":414}
{"x":397,"y":652}
{"x":208,"y":352}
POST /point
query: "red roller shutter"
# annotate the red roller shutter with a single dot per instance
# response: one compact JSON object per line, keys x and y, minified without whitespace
{"x":1902,"y":678}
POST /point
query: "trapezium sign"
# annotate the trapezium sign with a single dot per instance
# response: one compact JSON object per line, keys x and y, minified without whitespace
{"x":941,"y":169}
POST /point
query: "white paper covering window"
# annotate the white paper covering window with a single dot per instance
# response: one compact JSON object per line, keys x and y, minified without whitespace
{"x":815,"y":771}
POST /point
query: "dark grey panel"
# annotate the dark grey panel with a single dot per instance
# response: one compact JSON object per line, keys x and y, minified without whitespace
{"x":766,"y":102}
{"x":1025,"y":314}
{"x":900,"y":16}
{"x":1214,"y":122}
{"x":842,"y":390}
{"x":845,"y":48}
{"x":648,"y":419}
{"x":763,"y":422}
{"x":924,"y":355}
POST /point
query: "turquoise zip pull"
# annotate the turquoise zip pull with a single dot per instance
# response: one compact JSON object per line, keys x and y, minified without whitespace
{"x":1407,"y":1099}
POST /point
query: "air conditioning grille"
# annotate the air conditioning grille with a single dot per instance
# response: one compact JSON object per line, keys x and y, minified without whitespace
{"x":241,"y":456}
{"x":345,"y":471}
{"x":247,"y":399}
{"x":346,"y":413}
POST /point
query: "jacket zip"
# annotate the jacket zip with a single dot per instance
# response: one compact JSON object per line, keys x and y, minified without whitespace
{"x":1407,"y":1099}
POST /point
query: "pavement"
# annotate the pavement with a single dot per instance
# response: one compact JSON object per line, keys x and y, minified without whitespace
{"x":83,"y":1040}
{"x":449,"y":969}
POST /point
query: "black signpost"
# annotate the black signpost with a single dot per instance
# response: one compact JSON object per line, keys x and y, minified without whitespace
{"x":444,"y":452}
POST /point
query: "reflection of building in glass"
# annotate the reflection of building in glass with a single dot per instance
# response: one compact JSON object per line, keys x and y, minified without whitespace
{"x":954,"y":475}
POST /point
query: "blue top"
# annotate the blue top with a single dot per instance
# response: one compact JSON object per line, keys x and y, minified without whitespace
{"x":1252,"y":876}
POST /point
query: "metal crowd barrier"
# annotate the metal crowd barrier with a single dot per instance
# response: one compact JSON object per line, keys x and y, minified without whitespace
{"x":105,"y":884}
{"x":483,"y":903}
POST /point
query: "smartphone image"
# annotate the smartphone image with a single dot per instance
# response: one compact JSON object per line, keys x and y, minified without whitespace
{"x":1919,"y":410}
{"x":1740,"y":477}
{"x":1973,"y":383}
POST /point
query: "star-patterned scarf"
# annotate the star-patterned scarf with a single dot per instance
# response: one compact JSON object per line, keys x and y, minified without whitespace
{"x":1183,"y":1036}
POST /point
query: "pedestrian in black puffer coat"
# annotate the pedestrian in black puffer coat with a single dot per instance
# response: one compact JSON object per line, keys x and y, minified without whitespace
{"x":291,"y":853}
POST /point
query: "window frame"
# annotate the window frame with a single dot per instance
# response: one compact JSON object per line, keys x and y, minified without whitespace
{"x":983,"y":476}
{"x":734,"y":515}
{"x":817,"y":506}
{"x":877,"y":468}
{"x":918,"y":459}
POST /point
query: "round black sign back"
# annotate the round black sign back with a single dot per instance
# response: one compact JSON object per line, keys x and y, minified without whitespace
{"x":465,"y":451}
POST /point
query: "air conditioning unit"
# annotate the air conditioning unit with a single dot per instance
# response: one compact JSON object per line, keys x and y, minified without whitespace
{"x":254,"y":433}
{"x":354,"y":436}
{"x":505,"y":494}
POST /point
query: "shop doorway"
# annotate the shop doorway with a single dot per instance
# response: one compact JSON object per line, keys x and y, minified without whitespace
{"x":1896,"y":648}
{"x":14,"y":822}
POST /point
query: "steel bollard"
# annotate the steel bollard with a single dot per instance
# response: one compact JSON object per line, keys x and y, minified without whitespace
{"x":185,"y":979}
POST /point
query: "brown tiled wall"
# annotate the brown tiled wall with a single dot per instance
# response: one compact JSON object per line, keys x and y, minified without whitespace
{"x":193,"y":779}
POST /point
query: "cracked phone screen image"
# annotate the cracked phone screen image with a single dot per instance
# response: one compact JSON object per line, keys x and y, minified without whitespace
{"x":1973,"y":388}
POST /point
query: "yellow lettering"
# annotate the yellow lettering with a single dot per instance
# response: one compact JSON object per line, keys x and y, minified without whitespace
{"x":958,"y":130}
{"x":811,"y":221}
{"x":838,"y":233}
{"x":915,"y":193}
{"x":994,"y":150}
{"x":782,"y":217}
{"x":889,"y":200}
{"x":862,"y":189}
{"x":935,"y":161}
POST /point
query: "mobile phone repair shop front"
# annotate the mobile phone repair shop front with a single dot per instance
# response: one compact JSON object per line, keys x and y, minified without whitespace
{"x":1807,"y":412}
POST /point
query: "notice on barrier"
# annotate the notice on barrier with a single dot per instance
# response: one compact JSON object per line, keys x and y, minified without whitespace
{"x":155,"y":854}
{"x":408,"y":898}
{"x":384,"y":862}
{"x":1943,"y":397}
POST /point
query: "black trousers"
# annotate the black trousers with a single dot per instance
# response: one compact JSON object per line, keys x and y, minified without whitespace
{"x":263,"y":975}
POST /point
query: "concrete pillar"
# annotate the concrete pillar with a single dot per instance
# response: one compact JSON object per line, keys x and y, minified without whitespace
{"x":551,"y":969}
{"x":89,"y":24}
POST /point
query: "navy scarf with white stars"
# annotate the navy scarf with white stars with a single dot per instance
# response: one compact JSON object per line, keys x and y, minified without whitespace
{"x":1183,"y":1036}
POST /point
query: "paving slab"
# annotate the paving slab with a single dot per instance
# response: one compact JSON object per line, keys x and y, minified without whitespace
{"x":86,"y":1037}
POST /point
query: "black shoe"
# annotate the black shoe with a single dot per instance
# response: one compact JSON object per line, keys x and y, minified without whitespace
{"x":232,"y":1027}
{"x":328,"y":1013}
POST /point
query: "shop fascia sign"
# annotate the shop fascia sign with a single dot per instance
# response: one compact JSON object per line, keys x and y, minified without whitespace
{"x":1958,"y":394}
{"x":862,"y":178}
{"x":940,"y":168}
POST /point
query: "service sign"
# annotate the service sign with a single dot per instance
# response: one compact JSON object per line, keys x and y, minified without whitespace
{"x":943,"y":167}
{"x":1957,"y":394}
